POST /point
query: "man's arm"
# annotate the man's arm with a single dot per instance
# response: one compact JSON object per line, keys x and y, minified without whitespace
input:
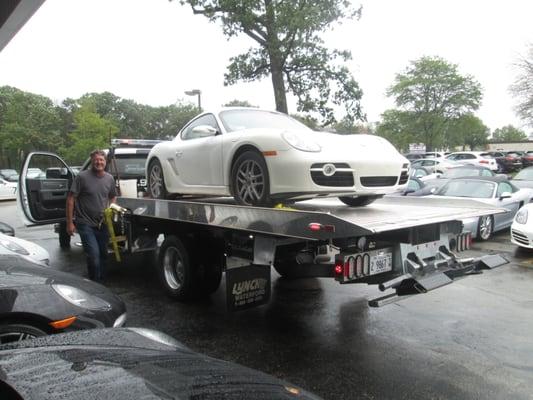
{"x":70,"y":214}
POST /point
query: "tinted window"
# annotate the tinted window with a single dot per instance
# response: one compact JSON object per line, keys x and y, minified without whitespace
{"x":208,"y":119}
{"x":504,"y":187}
{"x":486,"y":172}
{"x":525,"y":174}
{"x":413,"y":185}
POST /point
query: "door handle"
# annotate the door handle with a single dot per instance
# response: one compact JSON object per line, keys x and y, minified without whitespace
{"x":179,"y":153}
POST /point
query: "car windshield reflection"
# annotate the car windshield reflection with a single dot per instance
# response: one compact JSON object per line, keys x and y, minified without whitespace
{"x":236,"y":120}
{"x":468,"y":188}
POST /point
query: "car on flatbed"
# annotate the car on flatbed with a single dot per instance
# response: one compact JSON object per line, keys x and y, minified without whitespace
{"x":262,"y":157}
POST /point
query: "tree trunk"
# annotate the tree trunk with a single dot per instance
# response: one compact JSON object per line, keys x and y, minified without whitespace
{"x":279,"y":85}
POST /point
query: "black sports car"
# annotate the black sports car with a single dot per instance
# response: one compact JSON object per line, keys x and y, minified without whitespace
{"x":35,"y":301}
{"x":128,"y":363}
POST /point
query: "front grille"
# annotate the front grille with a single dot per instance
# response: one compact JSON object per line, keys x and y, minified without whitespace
{"x":373,"y":181}
{"x":338,"y":179}
{"x":404,"y":177}
{"x":520,"y":237}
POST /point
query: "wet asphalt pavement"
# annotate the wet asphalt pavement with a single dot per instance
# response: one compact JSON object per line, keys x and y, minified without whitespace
{"x":472,"y":339}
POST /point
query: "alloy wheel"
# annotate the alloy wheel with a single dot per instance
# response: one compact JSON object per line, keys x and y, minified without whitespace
{"x":9,"y":337}
{"x":250,"y":182}
{"x":485,"y":227}
{"x":156,"y":181}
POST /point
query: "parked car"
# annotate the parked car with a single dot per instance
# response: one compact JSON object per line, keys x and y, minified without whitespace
{"x":35,"y":300}
{"x":436,"y":165}
{"x":463,"y":171}
{"x":129,"y":363}
{"x":9,"y":175}
{"x":481,"y":158}
{"x":35,"y":173}
{"x":434,"y":154}
{"x":524,"y":179}
{"x":515,"y":160}
{"x":527,"y":158}
{"x":522,"y":227}
{"x":495,"y":191}
{"x":11,"y":245}
{"x":414,"y":156}
{"x":422,"y":173}
{"x":8,"y":190}
{"x":260,"y":157}
{"x":505,"y":163}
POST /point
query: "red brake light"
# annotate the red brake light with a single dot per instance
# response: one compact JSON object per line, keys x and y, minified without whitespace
{"x":483,"y":161}
{"x":339,"y":268}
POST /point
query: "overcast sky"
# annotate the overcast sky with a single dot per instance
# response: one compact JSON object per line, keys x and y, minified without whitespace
{"x":151,"y":51}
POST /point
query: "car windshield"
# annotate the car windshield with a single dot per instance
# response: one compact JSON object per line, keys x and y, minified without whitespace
{"x":524,"y":175}
{"x":129,"y":166}
{"x":236,"y":120}
{"x":467,"y":188}
{"x":458,"y":172}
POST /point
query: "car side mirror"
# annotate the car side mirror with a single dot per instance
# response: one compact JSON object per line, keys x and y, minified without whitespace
{"x":505,"y":195}
{"x":204,"y":130}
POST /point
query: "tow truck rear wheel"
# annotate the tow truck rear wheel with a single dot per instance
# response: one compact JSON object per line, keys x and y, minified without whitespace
{"x":177,"y":272}
{"x":358,"y":201}
{"x":64,"y":237}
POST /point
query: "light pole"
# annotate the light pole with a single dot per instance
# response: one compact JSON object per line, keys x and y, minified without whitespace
{"x":196,"y":92}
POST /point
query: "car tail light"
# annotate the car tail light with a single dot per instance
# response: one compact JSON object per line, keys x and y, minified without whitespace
{"x":339,"y":269}
{"x":359,"y":266}
{"x":316,"y":227}
{"x":483,"y":161}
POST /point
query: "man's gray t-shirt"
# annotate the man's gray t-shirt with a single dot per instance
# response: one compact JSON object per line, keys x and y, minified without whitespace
{"x":92,"y":194}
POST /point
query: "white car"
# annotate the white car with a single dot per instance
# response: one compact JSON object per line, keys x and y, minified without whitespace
{"x":8,"y":190}
{"x":522,"y":227}
{"x":261,"y":157}
{"x":479,"y":158}
{"x":23,"y":248}
{"x":436,"y":165}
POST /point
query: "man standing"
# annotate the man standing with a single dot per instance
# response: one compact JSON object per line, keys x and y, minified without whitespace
{"x":92,"y":191}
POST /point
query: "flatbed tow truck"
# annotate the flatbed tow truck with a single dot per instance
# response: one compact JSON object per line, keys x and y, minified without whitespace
{"x":404,"y":245}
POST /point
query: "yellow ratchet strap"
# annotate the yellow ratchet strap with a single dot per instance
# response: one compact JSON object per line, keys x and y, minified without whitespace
{"x":108,"y":216}
{"x":281,"y":206}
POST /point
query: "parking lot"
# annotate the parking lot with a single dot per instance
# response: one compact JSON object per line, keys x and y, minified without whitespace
{"x":468,"y":340}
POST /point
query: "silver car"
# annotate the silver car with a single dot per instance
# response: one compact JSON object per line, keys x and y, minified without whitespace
{"x":496,"y":191}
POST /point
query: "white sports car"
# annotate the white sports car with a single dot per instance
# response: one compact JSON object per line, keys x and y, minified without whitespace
{"x":522,"y":227}
{"x":261,"y":157}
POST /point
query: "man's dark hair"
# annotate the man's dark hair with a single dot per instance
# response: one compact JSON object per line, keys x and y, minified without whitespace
{"x":97,"y":153}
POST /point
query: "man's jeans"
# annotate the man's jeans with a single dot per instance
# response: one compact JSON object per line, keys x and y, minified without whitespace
{"x":94,"y":242}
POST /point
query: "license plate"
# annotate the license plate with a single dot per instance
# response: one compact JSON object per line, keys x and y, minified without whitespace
{"x":380,"y":263}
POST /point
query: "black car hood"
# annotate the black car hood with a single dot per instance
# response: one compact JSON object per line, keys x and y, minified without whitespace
{"x":123,"y":364}
{"x":16,"y":271}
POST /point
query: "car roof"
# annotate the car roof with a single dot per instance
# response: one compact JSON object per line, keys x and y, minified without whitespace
{"x":496,"y":178}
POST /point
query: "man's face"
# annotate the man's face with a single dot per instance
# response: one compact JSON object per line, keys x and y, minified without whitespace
{"x":98,"y":163}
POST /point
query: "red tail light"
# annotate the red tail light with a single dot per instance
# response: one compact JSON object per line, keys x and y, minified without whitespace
{"x":339,"y":269}
{"x":483,"y":161}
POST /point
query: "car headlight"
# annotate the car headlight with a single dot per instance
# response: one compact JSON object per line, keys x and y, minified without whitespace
{"x":300,"y":143}
{"x":14,"y":247}
{"x":521,"y":216}
{"x":80,"y":298}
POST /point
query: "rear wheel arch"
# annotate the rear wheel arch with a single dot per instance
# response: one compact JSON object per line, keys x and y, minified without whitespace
{"x":34,"y":320}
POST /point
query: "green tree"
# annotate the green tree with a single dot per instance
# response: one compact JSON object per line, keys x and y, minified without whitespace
{"x":467,"y":130}
{"x":522,"y":88}
{"x":27,"y":122}
{"x":433,"y":93}
{"x":308,"y":120}
{"x":239,"y":103}
{"x":290,"y":50}
{"x":91,"y":132}
{"x":398,"y":128}
{"x":508,"y":133}
{"x":347,"y":126}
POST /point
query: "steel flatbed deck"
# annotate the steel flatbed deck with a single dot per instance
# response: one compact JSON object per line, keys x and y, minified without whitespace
{"x":384,"y":215}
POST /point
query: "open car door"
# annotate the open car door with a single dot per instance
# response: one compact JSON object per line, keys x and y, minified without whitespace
{"x":44,"y":182}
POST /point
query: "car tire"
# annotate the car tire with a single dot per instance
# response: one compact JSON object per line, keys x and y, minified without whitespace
{"x":64,"y":237}
{"x":156,"y":180}
{"x":358,"y":201}
{"x":485,"y":227}
{"x":176,"y":271}
{"x":17,"y":332}
{"x":250,"y":180}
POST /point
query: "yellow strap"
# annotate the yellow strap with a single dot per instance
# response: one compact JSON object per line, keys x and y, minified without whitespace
{"x":108,"y":216}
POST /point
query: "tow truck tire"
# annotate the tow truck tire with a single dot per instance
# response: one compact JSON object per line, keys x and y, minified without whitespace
{"x":177,"y":272}
{"x":485,"y":227}
{"x":156,"y":180}
{"x":250,"y":170}
{"x":64,"y":237}
{"x":358,"y":201}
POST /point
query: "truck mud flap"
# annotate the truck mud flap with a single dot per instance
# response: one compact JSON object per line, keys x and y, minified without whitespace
{"x":247,"y":287}
{"x":411,"y":284}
